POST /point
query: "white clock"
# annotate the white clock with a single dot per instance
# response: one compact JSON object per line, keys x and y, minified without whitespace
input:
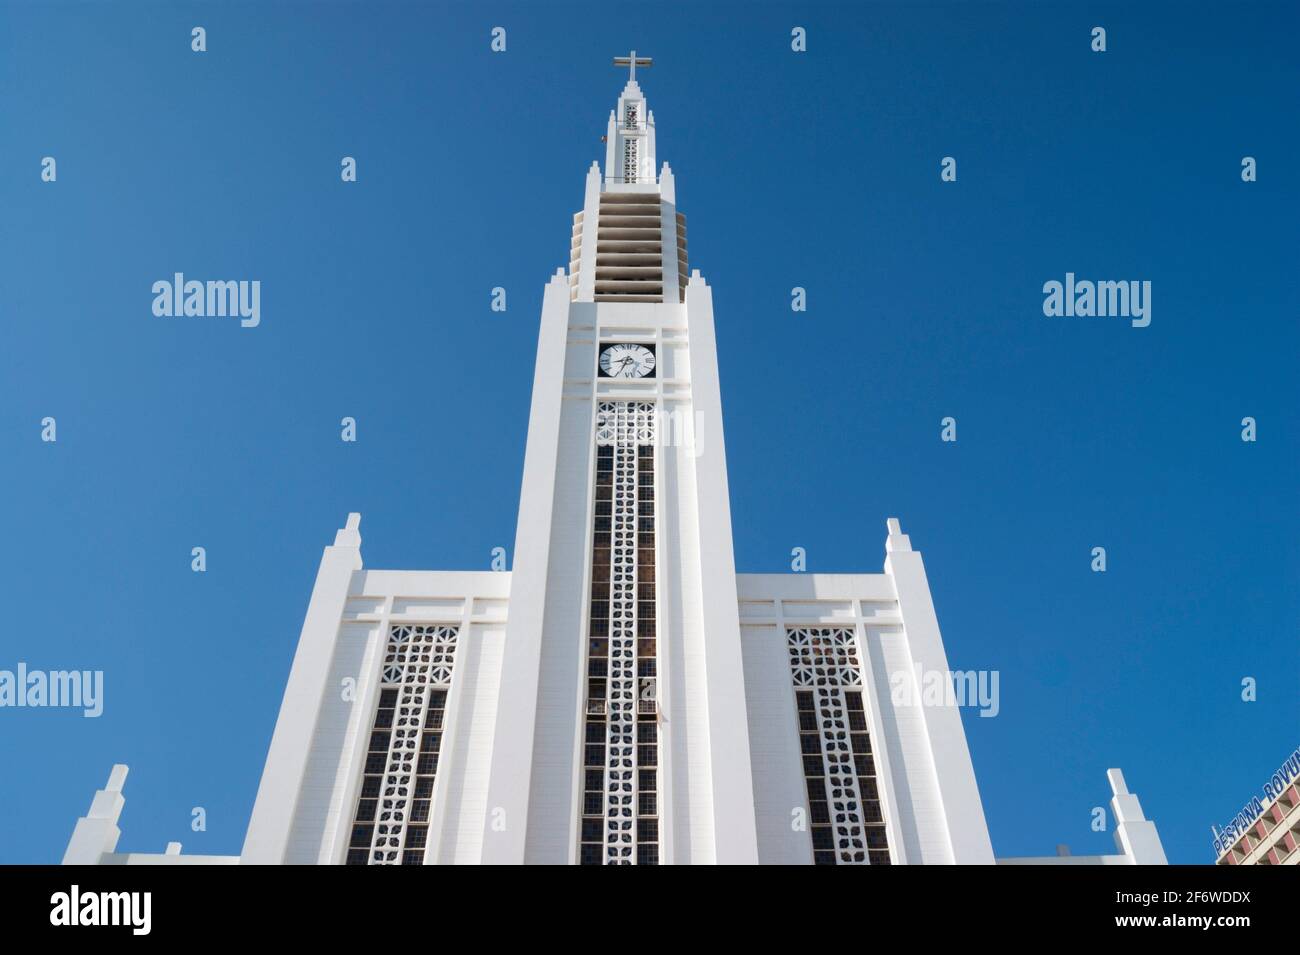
{"x":627,"y":361}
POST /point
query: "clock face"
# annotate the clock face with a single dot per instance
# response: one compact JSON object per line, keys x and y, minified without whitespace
{"x":627,"y":361}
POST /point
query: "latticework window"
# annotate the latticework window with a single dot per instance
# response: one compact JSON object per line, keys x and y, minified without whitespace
{"x":631,"y":158}
{"x":845,"y":815}
{"x":620,"y":824}
{"x":391,"y":824}
{"x":631,"y":144}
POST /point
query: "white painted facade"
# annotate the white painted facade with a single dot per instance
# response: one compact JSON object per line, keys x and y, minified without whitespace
{"x":508,"y":700}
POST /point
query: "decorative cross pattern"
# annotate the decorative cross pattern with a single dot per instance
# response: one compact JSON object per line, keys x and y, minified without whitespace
{"x":825,"y":661}
{"x":417,"y":659}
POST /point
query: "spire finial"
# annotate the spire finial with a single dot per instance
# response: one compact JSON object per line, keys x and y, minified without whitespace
{"x":632,"y":61}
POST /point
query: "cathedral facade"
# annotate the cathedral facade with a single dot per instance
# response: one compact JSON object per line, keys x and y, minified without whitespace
{"x":621,"y":695}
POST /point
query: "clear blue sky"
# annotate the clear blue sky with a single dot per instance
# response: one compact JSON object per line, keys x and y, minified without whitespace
{"x":819,"y":170}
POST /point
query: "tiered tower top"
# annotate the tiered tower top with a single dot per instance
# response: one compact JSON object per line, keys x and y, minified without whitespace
{"x":630,"y":142}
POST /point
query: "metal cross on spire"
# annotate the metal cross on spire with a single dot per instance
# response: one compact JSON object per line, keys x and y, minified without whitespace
{"x":632,"y":61}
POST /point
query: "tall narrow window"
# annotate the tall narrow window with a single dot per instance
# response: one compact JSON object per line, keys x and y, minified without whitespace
{"x":631,"y":144}
{"x":631,"y":159}
{"x":391,"y":824}
{"x":620,"y":824}
{"x":845,"y":816}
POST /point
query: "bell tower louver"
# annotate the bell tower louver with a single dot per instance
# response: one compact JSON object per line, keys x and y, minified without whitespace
{"x":629,"y":241}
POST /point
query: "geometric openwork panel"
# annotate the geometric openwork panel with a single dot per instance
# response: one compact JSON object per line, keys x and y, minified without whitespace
{"x":630,"y":159}
{"x":631,"y":144}
{"x":391,"y":824}
{"x":620,"y":824}
{"x":847,"y":824}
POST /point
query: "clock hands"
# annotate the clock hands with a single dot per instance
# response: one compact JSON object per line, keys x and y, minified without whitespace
{"x":627,"y":361}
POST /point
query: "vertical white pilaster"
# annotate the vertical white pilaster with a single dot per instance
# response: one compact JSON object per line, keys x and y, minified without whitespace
{"x":512,"y":748}
{"x":451,"y":760}
{"x":735,"y":830}
{"x":650,"y":141}
{"x":286,"y":762}
{"x":963,"y":811}
{"x":97,"y":832}
{"x":334,"y":843}
{"x":590,"y":230}
{"x":668,"y":234}
{"x":611,"y":143}
{"x":1135,"y":835}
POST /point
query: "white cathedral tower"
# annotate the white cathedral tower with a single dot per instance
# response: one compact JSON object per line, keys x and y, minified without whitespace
{"x":621,"y":695}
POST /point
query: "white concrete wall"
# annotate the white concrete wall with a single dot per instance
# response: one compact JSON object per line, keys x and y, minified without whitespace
{"x":686,"y":778}
{"x":272,"y":821}
{"x":514,"y":736}
{"x":921,"y":821}
{"x":466,"y":756}
{"x":477,"y":603}
{"x":552,"y":807}
{"x":330,"y":763}
{"x":963,"y":810}
{"x":917,"y":820}
{"x":700,"y":684}
{"x":730,"y":776}
{"x":774,"y":748}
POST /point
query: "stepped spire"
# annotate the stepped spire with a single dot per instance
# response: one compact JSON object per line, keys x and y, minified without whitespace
{"x":629,"y":242}
{"x":630,"y":149}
